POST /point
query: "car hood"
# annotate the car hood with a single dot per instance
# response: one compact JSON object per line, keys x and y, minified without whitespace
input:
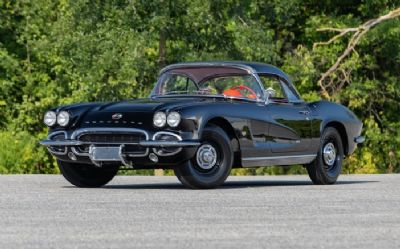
{"x":137,"y":112}
{"x":138,"y":105}
{"x":141,"y":105}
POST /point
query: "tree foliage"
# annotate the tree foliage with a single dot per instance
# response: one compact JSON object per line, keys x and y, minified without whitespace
{"x":55,"y":52}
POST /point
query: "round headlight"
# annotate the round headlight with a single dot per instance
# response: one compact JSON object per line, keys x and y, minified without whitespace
{"x":63,"y":118}
{"x":173,"y":119}
{"x":159,"y":119}
{"x":50,"y":118}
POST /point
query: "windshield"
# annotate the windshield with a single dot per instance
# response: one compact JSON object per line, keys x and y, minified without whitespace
{"x":239,"y":86}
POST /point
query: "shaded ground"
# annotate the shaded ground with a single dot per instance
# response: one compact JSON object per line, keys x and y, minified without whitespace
{"x":44,"y":211}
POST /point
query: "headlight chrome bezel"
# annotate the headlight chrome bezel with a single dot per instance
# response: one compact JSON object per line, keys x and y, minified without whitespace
{"x":159,"y":119}
{"x":50,"y":118}
{"x":173,"y":119}
{"x":63,"y":118}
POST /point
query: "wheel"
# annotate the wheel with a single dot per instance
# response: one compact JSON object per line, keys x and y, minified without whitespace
{"x":212,"y":163}
{"x":325,"y":169}
{"x":86,"y":175}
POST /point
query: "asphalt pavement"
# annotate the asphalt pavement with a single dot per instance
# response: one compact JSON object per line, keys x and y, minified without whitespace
{"x":45,"y":211}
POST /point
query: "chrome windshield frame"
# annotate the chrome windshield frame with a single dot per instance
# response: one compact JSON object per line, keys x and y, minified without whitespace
{"x":248,"y":69}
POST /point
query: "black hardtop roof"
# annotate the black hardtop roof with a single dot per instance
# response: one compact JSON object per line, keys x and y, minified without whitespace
{"x":253,"y":67}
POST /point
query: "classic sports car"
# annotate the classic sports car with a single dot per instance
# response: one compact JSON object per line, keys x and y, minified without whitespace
{"x":201,"y":120}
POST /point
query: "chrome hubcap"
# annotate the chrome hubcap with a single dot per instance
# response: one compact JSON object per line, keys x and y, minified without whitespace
{"x":206,"y":156}
{"x":329,"y":154}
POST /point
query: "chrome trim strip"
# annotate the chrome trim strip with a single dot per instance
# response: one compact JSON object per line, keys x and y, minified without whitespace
{"x":76,"y":152}
{"x":207,"y":64}
{"x":53,"y":135}
{"x":260,"y":84}
{"x":60,"y":143}
{"x":170,"y":134}
{"x":166,"y":133}
{"x":77,"y":143}
{"x":276,"y":157}
{"x":277,"y":160}
{"x":56,"y":133}
{"x":169,"y":143}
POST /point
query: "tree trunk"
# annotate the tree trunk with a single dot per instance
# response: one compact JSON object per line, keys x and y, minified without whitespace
{"x":162,"y":49}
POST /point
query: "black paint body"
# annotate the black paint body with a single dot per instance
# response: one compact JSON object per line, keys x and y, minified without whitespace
{"x":261,"y":133}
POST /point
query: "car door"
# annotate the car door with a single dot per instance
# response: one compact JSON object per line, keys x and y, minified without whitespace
{"x":289,"y":130}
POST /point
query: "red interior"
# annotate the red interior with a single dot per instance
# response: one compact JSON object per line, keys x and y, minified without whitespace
{"x":236,"y":91}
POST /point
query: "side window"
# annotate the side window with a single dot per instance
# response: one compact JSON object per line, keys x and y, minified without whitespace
{"x":283,"y":92}
{"x":274,"y":83}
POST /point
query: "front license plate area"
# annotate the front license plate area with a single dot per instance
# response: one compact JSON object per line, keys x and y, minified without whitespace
{"x":104,"y":153}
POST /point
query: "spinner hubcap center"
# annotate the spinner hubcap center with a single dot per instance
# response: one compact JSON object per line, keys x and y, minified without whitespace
{"x":206,"y":156}
{"x":329,"y":152}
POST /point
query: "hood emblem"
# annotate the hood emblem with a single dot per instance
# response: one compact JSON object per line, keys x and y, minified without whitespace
{"x":116,"y":116}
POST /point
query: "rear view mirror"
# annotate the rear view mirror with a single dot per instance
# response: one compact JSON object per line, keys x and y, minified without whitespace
{"x":269,"y":93}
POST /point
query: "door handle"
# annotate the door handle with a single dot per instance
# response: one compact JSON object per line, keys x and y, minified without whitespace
{"x":304,"y":112}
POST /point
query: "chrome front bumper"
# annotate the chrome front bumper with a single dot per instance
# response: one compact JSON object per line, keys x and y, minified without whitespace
{"x":145,"y":143}
{"x":116,"y":150}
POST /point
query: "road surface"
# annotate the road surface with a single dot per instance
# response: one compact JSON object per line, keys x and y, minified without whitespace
{"x":44,"y":211}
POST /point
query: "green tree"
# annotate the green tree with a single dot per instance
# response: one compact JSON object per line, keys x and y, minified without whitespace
{"x":60,"y":52}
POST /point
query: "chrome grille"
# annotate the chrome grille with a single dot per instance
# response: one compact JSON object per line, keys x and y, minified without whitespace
{"x":112,"y":138}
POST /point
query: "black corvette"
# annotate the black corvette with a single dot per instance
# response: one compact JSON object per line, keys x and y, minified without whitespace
{"x":201,"y":120}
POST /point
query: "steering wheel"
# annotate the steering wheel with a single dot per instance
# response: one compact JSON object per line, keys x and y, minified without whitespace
{"x":252,"y":94}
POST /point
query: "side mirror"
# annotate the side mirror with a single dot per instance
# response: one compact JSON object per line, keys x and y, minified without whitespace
{"x":269,"y":93}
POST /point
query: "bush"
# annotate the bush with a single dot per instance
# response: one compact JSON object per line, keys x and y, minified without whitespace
{"x":20,"y":153}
